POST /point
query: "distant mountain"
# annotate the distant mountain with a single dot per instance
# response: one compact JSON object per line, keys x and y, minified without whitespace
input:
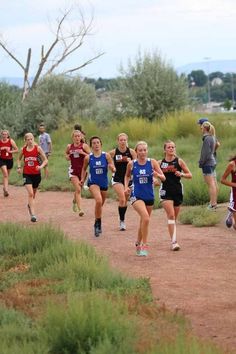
{"x":225,"y":66}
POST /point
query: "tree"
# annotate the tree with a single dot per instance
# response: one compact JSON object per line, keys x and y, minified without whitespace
{"x":198,"y":77}
{"x":67,"y":41}
{"x":151,"y":88}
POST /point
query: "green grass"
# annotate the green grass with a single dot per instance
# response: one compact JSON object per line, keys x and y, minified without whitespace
{"x":58,"y":296}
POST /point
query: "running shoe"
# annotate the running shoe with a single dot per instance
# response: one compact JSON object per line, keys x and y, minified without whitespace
{"x":122,"y":226}
{"x":175,"y":246}
{"x":144,"y":251}
{"x":5,"y":192}
{"x":74,"y":206}
{"x":33,"y":218}
{"x":229,"y":220}
{"x":138,"y":248}
{"x":97,"y":229}
{"x":212,"y":207}
{"x":81,"y":212}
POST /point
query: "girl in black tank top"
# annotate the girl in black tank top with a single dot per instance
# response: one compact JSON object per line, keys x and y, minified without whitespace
{"x":171,"y":194}
{"x":121,"y":155}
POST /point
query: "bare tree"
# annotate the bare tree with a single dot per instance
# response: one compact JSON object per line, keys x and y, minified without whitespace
{"x":67,"y":41}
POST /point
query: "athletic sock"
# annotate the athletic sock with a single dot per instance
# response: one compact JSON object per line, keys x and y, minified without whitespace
{"x":122,"y":211}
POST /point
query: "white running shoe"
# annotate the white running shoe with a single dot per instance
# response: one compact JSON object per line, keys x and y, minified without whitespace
{"x":175,"y":246}
{"x":122,"y":226}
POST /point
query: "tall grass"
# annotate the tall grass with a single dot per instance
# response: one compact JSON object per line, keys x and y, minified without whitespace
{"x":108,"y":315}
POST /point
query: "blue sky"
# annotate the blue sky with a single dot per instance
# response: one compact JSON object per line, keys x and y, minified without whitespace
{"x":182,"y":31}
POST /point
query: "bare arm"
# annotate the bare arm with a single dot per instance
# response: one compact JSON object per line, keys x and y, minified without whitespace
{"x":110,"y":162}
{"x":19,"y":161}
{"x":228,"y":170}
{"x":84,"y":168}
{"x":112,"y":153}
{"x":67,"y":152}
{"x":157,"y":170}
{"x":186,"y":172}
{"x":128,"y":176}
{"x":43,"y":158}
{"x":86,"y":149}
{"x":14,"y":147}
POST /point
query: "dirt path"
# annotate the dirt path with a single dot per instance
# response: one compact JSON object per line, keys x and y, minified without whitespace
{"x":199,"y":280}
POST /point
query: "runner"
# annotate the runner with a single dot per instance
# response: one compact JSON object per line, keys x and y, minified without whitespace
{"x":121,"y":155}
{"x":31,"y":153}
{"x":75,"y":153}
{"x":171,"y":190}
{"x":231,"y":169}
{"x":143,"y":170}
{"x":7,"y":148}
{"x":45,"y":143}
{"x":99,"y":162}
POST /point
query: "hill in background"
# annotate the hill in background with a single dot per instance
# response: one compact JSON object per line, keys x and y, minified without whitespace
{"x":224,"y":66}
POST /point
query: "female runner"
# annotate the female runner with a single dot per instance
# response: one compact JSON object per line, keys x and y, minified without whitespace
{"x":7,"y":148}
{"x":98,"y":162}
{"x":143,"y":170}
{"x":171,"y":190}
{"x":121,"y":155}
{"x":31,"y":154}
{"x":75,"y":153}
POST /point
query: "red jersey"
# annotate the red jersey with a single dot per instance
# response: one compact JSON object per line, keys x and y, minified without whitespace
{"x":31,"y":161}
{"x":76,"y":159}
{"x":3,"y":153}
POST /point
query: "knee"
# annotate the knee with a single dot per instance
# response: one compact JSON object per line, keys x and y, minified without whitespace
{"x":146,"y":219}
{"x":99,"y":202}
{"x":31,"y":194}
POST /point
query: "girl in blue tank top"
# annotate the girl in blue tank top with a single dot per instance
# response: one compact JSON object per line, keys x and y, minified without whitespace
{"x":98,"y":162}
{"x":143,"y":170}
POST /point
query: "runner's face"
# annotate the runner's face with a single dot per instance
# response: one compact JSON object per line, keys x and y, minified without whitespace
{"x":29,"y":140}
{"x":96,"y":145}
{"x":170,"y":149}
{"x":4,"y":135}
{"x":142,"y":151}
{"x":122,"y":141}
{"x":77,"y":138}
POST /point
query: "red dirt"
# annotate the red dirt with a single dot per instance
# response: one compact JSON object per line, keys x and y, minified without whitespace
{"x":198,"y":281}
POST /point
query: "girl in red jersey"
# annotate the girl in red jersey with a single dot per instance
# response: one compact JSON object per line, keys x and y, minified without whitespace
{"x":75,"y":153}
{"x":7,"y":148}
{"x":231,"y":170}
{"x":31,"y":153}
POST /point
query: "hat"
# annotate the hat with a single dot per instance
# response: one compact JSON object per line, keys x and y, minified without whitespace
{"x":202,"y":120}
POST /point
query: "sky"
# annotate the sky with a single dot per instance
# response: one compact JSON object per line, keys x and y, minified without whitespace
{"x":181,"y":31}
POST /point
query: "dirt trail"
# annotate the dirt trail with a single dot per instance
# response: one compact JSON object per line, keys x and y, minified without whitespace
{"x":199,"y":280}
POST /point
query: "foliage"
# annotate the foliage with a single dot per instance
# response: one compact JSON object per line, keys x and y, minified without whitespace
{"x":55,"y":100}
{"x":151,"y":88}
{"x":198,"y":77}
{"x":36,"y":318}
{"x":199,"y":216}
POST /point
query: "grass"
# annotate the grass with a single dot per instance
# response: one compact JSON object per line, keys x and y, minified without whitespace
{"x":60,"y":297}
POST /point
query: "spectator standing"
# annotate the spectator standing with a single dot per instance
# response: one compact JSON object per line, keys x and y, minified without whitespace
{"x":45,"y":143}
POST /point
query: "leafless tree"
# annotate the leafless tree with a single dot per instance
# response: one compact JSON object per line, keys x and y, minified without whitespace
{"x":68,"y":38}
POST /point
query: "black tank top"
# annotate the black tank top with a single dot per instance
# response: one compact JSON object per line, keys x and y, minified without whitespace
{"x":121,"y":160}
{"x":172,"y":182}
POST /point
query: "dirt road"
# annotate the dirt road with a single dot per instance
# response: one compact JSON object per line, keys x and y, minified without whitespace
{"x":199,"y":280}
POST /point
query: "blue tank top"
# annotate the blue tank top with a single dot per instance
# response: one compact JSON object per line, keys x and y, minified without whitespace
{"x":98,"y":170}
{"x":142,"y":187}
